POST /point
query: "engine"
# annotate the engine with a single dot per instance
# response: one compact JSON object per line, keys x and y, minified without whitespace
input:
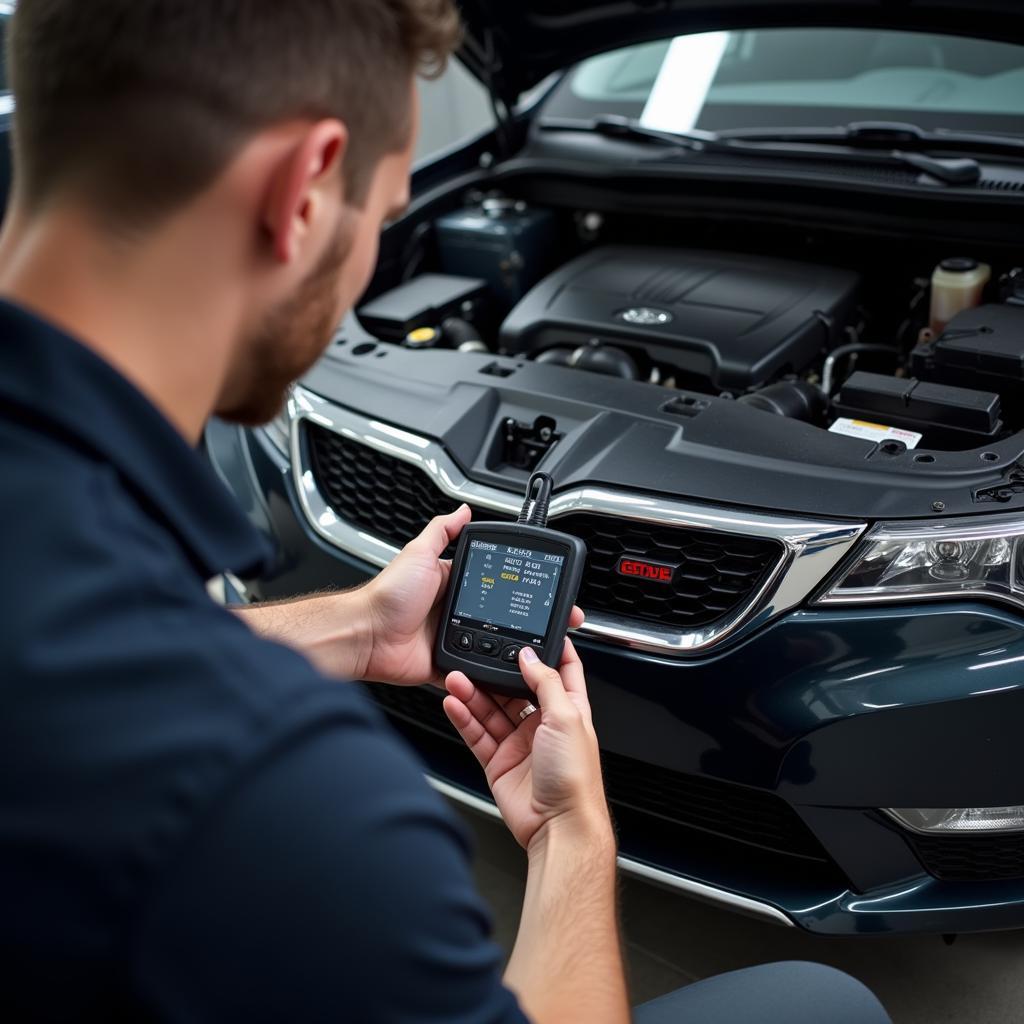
{"x":791,"y":338}
{"x":725,"y":323}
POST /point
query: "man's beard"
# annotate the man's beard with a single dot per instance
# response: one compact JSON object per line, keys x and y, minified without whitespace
{"x":289,"y":342}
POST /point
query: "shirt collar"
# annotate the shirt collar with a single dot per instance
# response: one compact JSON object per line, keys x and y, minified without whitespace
{"x":72,"y":393}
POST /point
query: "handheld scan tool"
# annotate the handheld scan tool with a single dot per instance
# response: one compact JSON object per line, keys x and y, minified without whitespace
{"x":513,"y":585}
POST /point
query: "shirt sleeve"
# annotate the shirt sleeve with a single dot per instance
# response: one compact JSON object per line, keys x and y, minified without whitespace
{"x":331,"y":885}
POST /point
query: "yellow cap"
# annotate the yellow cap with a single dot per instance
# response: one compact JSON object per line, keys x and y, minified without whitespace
{"x":422,"y":336}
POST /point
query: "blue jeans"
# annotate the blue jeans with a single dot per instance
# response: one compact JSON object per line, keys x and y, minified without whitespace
{"x":783,"y":993}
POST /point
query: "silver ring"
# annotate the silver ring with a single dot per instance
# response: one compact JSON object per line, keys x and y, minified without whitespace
{"x":526,"y":712}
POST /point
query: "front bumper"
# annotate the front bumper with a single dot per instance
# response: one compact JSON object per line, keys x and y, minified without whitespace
{"x":833,"y":713}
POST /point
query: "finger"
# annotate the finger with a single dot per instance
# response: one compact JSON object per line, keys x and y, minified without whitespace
{"x":445,"y":566}
{"x":571,"y":669}
{"x":473,"y":734}
{"x":576,"y":617}
{"x":546,"y":682}
{"x":481,"y":706}
{"x":514,"y":708}
{"x":442,"y":530}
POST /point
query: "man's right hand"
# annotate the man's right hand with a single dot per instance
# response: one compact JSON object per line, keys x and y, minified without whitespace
{"x":544,"y":770}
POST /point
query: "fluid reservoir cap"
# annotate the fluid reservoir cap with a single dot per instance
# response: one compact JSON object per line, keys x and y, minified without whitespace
{"x":959,"y":264}
{"x":422,"y":337}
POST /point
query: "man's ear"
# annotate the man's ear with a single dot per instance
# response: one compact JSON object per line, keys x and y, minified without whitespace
{"x":299,"y":190}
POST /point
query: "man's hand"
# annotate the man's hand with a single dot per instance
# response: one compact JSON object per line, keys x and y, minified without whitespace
{"x":545,"y":774}
{"x":403,"y":606}
{"x":544,"y":770}
{"x":384,"y":631}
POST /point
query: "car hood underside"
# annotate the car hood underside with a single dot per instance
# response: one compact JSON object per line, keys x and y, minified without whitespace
{"x":512,"y":47}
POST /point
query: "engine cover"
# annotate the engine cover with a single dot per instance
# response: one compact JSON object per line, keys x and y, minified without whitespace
{"x":737,"y":321}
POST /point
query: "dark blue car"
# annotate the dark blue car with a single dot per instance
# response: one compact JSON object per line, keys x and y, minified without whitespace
{"x":745,"y":279}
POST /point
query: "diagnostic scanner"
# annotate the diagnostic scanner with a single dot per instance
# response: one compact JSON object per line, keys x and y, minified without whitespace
{"x":513,"y":585}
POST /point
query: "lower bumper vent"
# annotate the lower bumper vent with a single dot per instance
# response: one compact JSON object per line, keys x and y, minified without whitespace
{"x":722,"y":809}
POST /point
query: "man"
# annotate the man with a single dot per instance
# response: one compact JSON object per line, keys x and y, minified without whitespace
{"x":195,"y":823}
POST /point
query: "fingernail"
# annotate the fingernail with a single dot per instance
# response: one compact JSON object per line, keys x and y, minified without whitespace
{"x":529,"y":655}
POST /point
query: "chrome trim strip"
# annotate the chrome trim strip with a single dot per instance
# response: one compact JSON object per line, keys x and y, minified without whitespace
{"x":636,"y":868}
{"x":932,"y":833}
{"x":811,"y":549}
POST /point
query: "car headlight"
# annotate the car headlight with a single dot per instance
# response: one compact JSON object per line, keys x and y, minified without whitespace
{"x":955,"y":558}
{"x":959,"y":819}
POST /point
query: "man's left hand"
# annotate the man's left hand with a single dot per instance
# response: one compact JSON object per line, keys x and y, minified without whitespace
{"x":404,"y":605}
{"x":381,"y":632}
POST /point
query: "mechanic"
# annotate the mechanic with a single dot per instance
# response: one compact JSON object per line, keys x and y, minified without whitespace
{"x":197,"y":824}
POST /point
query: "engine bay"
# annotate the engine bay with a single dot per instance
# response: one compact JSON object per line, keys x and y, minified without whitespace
{"x":927,"y":353}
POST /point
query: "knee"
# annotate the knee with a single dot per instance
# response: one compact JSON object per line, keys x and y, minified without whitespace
{"x":838,"y":997}
{"x":791,"y":992}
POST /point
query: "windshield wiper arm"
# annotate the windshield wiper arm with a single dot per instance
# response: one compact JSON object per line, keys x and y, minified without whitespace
{"x":803,"y":145}
{"x":885,"y":134}
{"x":616,"y":126}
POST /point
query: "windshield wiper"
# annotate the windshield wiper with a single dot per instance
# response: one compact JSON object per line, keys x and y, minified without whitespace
{"x":885,"y":134}
{"x":617,"y":127}
{"x":744,"y":142}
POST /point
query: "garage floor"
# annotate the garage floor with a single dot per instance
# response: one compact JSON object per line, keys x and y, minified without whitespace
{"x":672,"y":941}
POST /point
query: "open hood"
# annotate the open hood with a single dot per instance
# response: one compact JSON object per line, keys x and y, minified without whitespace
{"x":511,"y":45}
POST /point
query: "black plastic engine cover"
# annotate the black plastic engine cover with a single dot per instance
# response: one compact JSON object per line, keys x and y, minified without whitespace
{"x":737,"y":321}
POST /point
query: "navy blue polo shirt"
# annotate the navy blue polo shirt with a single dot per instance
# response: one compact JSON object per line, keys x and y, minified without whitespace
{"x":194,"y":825}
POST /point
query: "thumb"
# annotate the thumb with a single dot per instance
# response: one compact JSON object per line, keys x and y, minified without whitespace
{"x":546,"y":682}
{"x":442,"y":530}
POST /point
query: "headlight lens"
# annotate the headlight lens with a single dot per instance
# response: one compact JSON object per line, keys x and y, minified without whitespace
{"x":906,"y":562}
{"x":960,"y":819}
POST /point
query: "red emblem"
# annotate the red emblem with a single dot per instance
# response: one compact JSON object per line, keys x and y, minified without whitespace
{"x":659,"y":572}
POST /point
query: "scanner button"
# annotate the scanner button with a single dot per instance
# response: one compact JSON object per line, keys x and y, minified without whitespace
{"x":463,"y":641}
{"x":511,"y":654}
{"x":487,"y":645}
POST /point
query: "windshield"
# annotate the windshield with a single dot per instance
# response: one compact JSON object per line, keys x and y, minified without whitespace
{"x":802,"y":77}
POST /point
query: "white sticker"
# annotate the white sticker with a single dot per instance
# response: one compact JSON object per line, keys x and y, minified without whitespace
{"x":681,"y":88}
{"x":874,"y":432}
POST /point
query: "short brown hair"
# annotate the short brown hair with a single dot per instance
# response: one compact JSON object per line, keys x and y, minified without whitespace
{"x":140,"y":104}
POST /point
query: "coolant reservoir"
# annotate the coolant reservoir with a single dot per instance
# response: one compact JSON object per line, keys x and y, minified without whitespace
{"x":957,"y":284}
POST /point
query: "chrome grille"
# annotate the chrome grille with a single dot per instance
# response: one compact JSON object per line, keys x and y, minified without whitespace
{"x":717,"y":571}
{"x":367,"y":486}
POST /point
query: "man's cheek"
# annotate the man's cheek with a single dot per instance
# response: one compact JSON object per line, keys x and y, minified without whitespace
{"x":364,"y":259}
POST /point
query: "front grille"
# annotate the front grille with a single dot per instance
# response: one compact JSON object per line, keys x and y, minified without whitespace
{"x":961,"y":858}
{"x":383,"y":495}
{"x":718,"y":572}
{"x":722,"y":809}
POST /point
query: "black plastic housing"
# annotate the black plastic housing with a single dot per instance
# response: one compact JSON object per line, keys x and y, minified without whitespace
{"x":489,"y":671}
{"x":736,"y":321}
{"x":944,"y":415}
{"x":425,"y":301}
{"x":980,"y":348}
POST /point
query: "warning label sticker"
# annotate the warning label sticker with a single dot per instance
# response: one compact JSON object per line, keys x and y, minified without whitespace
{"x":874,"y":432}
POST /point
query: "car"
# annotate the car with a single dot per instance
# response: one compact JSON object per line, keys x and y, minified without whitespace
{"x":744,"y":279}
